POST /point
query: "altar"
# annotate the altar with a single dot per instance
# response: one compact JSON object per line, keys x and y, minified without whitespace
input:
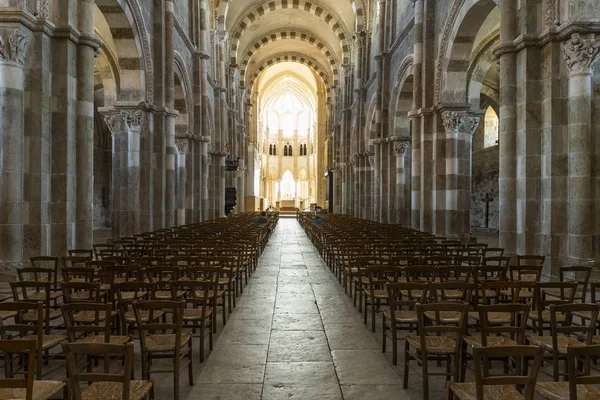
{"x":287,"y":205}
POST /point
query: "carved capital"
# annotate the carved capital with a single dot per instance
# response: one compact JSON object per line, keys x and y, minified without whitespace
{"x":182,"y":143}
{"x":581,"y":52}
{"x":471,"y":124}
{"x":14,"y":44}
{"x":133,"y":118}
{"x":110,"y":123}
{"x":400,"y":147}
{"x":453,"y":121}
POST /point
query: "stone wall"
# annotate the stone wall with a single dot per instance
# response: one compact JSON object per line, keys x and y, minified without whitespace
{"x":486,"y":166}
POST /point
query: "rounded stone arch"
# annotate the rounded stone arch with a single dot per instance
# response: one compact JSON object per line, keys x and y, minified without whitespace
{"x":107,"y":75}
{"x":291,"y":57}
{"x":310,"y":6}
{"x":465,"y":18}
{"x":401,"y":100}
{"x":125,"y":21}
{"x":184,"y":97}
{"x":481,"y":63}
{"x":289,"y":34}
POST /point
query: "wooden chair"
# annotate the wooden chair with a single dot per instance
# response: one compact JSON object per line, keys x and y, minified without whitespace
{"x":578,"y":274}
{"x":501,"y":325}
{"x":200,"y":295}
{"x":88,"y":292}
{"x":579,"y":386}
{"x":489,"y":387}
{"x":42,"y":276}
{"x":218,"y":297}
{"x":48,"y":262}
{"x":106,"y":386}
{"x":37,"y":292}
{"x":541,"y":316}
{"x":82,"y":253}
{"x":127,"y":294}
{"x":27,"y":388}
{"x":174,"y":345}
{"x":456,"y":291}
{"x":565,"y":333}
{"x":375,"y":291}
{"x":402,"y":315}
{"x":436,"y":342}
{"x":29,"y":324}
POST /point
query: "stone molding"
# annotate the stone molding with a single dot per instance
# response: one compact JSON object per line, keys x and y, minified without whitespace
{"x":581,"y":52}
{"x":14,"y":43}
{"x":549,"y":13}
{"x":43,"y":9}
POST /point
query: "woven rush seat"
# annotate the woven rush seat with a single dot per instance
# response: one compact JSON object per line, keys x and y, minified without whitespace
{"x":166,"y":294}
{"x":32,"y":316}
{"x":404,"y":317}
{"x":493,"y":317}
{"x":114,"y":390}
{"x":83,"y":317}
{"x":165,"y":342}
{"x":41,"y":296}
{"x":468,"y":391}
{"x":131,"y":295}
{"x":378,"y":294}
{"x":560,"y":391}
{"x":59,"y":279}
{"x":546,"y":317}
{"x":446,"y":317}
{"x":195,"y":314}
{"x":492,"y":341}
{"x":144,"y":314}
{"x":434,"y":344}
{"x":5,"y":297}
{"x":454,"y":294}
{"x":414,"y":293}
{"x":556,"y":293}
{"x":48,"y":341}
{"x":80,"y":295}
{"x":583,"y":314}
{"x":211,"y":293}
{"x":100,"y":339}
{"x":42,"y":390}
{"x":563,"y":342}
{"x":523,"y":294}
{"x":7,"y":314}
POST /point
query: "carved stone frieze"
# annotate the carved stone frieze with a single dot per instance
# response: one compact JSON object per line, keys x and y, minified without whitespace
{"x":471,"y":124}
{"x":14,"y":43}
{"x":581,"y":52}
{"x":549,"y":12}
{"x":182,"y":144}
{"x":43,"y":9}
{"x":133,"y":118}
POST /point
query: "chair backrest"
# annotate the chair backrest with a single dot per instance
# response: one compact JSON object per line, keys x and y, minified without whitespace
{"x":426,"y":274}
{"x":20,"y":326}
{"x":380,"y":276}
{"x":542,"y":301}
{"x":72,"y":350}
{"x":148,"y":324}
{"x":515,"y":329}
{"x":482,"y":361}
{"x":451,"y":291}
{"x":437,"y":326}
{"x":75,"y":261}
{"x":574,"y":356}
{"x":35,"y":274}
{"x":82,"y":253}
{"x":404,"y":296}
{"x":138,"y":290}
{"x":567,"y":327}
{"x":100,"y":324}
{"x":88,"y":292}
{"x":508,"y":289}
{"x":456,"y":273}
{"x":580,"y":274}
{"x":201,"y":292}
{"x":20,"y":346}
{"x":85,"y":274}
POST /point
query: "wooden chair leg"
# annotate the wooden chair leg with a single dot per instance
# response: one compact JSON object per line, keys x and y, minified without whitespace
{"x":191,"y":364}
{"x":406,"y":348}
{"x":425,"y":373}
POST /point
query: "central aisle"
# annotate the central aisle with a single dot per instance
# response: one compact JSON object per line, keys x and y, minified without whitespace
{"x":295,"y":335}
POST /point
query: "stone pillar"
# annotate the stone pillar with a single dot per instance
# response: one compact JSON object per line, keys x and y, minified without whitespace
{"x":204,"y":192}
{"x":377,"y":173}
{"x":84,"y":204}
{"x":508,"y":127}
{"x":581,"y":52}
{"x":402,"y":201}
{"x":14,"y":46}
{"x":171,"y":114}
{"x":453,"y":121}
{"x":414,"y":115}
{"x":181,"y":144}
{"x":196,"y":148}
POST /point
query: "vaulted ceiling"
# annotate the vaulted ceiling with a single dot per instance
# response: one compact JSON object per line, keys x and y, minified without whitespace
{"x":264,"y":31}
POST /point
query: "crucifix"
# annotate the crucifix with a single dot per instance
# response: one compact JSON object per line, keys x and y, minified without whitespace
{"x":488,"y":199}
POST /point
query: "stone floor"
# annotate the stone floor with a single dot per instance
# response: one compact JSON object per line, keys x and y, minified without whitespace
{"x":296,"y":335}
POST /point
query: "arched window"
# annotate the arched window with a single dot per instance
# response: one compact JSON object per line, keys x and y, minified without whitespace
{"x":291,"y":151}
{"x":304,"y":147}
{"x":271,"y":150}
{"x":285,"y":150}
{"x":274,"y":149}
{"x":491,"y":128}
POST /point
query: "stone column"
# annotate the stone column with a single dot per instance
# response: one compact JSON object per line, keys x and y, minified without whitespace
{"x":581,"y":52}
{"x":181,"y":144}
{"x":204,"y":192}
{"x":13,"y":51}
{"x":402,"y":202}
{"x":453,"y":121}
{"x":508,"y":127}
{"x":196,"y":148}
{"x":415,"y":117}
{"x":84,"y":203}
{"x":171,"y":115}
{"x":377,"y":178}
